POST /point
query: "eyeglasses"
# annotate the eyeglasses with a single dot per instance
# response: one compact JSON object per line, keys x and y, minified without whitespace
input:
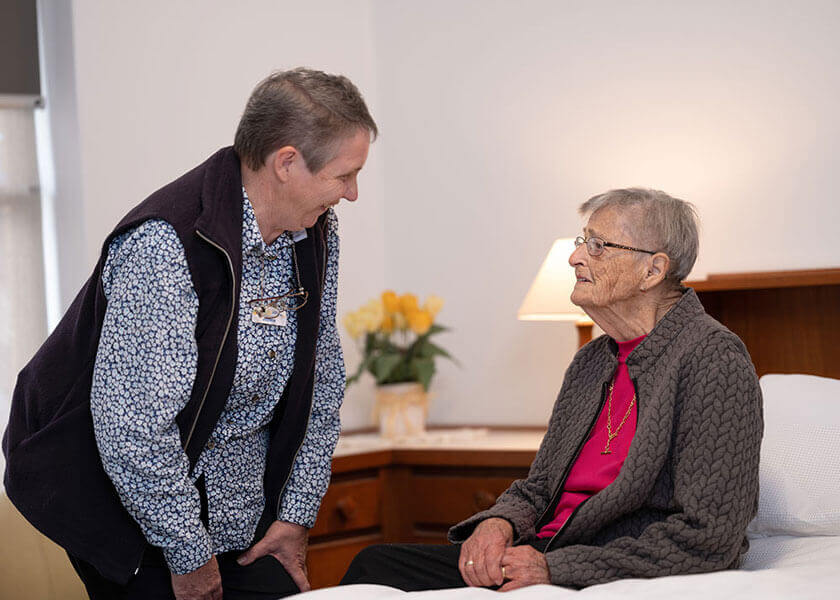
{"x":595,"y":246}
{"x":272,"y":307}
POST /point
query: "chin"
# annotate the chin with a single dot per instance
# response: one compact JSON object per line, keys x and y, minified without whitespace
{"x":578,"y":298}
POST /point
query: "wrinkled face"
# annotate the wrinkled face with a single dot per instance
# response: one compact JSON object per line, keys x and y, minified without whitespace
{"x":616,"y":274}
{"x":314,"y":193}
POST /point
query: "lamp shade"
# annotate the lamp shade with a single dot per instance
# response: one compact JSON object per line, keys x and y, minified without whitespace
{"x":548,"y":297}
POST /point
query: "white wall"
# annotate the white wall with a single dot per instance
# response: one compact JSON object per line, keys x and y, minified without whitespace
{"x":502,"y":117}
{"x":161,"y":86}
{"x":497,"y":119}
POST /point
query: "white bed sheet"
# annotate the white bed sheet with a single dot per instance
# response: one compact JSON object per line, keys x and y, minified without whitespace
{"x":779,"y":567}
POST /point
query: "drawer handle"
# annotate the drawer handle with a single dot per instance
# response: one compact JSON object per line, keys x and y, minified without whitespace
{"x":346,"y":508}
{"x":484,"y":499}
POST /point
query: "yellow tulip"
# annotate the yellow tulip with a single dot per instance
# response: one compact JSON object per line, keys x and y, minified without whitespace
{"x":408,"y":303}
{"x":371,"y":314}
{"x":433,"y":305}
{"x":388,"y":324}
{"x":376,"y":308}
{"x":369,"y":321}
{"x":400,"y":322}
{"x":420,"y":321}
{"x":390,"y":301}
{"x":353,"y":325}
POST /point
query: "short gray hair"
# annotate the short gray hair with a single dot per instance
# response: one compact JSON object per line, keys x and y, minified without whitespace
{"x":669,"y":223}
{"x":310,"y":110}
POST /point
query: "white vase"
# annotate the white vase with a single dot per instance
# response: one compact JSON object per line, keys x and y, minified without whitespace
{"x":401,"y":410}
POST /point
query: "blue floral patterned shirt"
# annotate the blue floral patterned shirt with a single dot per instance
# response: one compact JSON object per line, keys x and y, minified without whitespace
{"x":143,"y":376}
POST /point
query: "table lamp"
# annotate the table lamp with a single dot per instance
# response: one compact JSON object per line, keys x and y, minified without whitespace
{"x":548,"y":297}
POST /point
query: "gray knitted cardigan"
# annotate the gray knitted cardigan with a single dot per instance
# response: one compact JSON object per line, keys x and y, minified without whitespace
{"x":689,"y":485}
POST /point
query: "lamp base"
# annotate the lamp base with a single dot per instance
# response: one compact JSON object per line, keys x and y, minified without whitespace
{"x":584,"y":333}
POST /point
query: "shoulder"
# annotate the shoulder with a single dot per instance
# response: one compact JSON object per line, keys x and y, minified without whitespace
{"x":717,"y":371}
{"x":708,"y":340}
{"x":151,"y":250}
{"x":154,"y":237}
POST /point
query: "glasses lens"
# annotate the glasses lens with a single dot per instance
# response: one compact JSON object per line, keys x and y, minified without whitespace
{"x":578,"y":241}
{"x":595,"y":246}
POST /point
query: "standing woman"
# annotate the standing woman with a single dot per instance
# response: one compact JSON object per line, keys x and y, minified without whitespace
{"x":649,"y":466}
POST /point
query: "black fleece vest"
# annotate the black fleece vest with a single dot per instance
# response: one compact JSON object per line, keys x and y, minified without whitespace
{"x":54,"y":474}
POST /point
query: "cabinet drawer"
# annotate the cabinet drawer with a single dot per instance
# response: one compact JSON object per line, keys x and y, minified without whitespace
{"x":442,"y":500}
{"x":327,"y":562}
{"x":348,"y":506}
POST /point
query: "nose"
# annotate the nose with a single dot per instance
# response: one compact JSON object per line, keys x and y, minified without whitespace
{"x":351,"y":191}
{"x":578,"y":255}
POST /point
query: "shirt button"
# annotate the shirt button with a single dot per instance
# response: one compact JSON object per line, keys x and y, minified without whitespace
{"x":255,"y":398}
{"x":271,"y":354}
{"x":211,"y":444}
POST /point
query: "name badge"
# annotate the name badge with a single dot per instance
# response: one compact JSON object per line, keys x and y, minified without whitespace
{"x":269,"y":315}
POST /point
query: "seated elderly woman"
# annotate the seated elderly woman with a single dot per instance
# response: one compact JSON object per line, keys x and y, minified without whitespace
{"x":649,"y":466}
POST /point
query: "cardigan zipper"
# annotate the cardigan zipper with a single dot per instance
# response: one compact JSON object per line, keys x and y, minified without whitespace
{"x":556,"y":495}
{"x":578,"y":507}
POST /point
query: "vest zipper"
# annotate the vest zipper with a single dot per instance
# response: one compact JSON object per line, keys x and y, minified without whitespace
{"x":558,"y":490}
{"x":292,"y":467}
{"x":574,"y":512}
{"x":311,"y":398}
{"x":224,"y":337}
{"x":218,"y":354}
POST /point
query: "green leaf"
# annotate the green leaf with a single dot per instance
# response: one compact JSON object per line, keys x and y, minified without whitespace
{"x":383,"y":366}
{"x":438,"y":351}
{"x":370,"y":343}
{"x":425,"y":369}
{"x":364,"y":365}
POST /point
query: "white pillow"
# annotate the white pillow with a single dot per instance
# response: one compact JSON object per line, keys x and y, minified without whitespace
{"x":799,"y":472}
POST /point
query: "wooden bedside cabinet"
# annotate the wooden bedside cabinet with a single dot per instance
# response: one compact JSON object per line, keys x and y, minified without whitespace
{"x":408,"y":494}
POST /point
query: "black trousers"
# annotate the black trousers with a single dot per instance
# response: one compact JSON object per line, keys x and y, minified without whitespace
{"x":264,"y":579}
{"x":411,"y":567}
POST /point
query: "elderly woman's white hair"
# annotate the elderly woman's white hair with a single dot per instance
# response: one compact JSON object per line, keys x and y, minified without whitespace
{"x":670,"y":224}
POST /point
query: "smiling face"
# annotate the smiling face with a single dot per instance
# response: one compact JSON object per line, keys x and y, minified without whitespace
{"x":311,"y":194}
{"x":616,"y":275}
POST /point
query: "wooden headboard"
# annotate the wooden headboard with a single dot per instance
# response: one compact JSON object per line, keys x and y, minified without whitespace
{"x":789,"y":320}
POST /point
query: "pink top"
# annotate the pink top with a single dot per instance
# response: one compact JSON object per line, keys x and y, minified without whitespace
{"x":593,"y":471}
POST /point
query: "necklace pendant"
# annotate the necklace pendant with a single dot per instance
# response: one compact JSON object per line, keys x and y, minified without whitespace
{"x":606,"y":451}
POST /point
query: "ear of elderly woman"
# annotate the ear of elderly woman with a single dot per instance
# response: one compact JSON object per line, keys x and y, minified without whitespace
{"x":649,"y":466}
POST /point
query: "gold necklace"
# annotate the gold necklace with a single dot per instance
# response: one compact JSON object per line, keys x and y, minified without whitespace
{"x":610,"y":433}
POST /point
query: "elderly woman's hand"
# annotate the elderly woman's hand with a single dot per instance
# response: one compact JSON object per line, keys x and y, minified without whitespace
{"x":480,"y":561}
{"x":523,"y":566}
